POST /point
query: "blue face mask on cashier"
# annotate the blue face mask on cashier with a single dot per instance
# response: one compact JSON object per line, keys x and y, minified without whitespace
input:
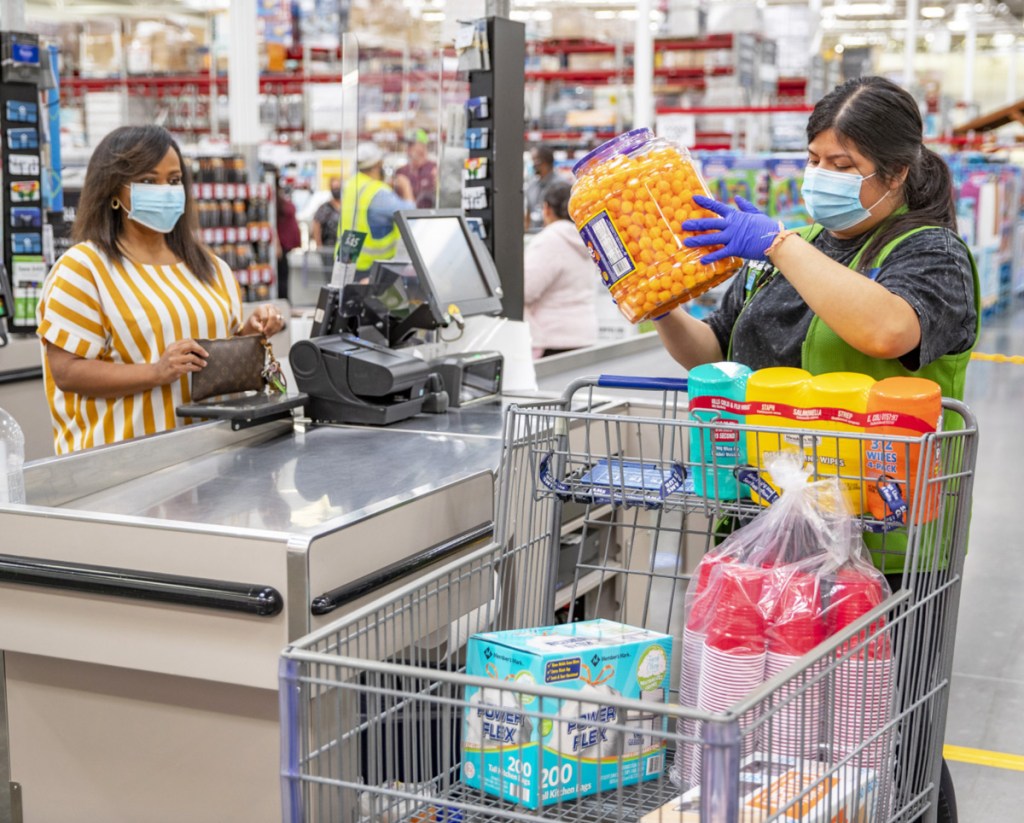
{"x":833,"y":198}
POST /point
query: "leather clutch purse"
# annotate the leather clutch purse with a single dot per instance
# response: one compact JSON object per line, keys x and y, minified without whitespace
{"x":235,"y":364}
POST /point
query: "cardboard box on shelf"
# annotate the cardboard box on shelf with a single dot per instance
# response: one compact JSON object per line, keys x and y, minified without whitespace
{"x":771,"y":784}
{"x":158,"y":46}
{"x":590,"y":119}
{"x":100,"y":50}
{"x":573,"y":23}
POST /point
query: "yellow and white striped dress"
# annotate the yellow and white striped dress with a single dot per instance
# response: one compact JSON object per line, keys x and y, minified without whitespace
{"x":123,"y":312}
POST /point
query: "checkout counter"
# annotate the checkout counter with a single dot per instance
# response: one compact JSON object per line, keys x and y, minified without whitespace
{"x":148,"y":587}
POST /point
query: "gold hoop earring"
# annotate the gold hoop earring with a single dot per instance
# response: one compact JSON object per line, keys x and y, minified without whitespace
{"x":115,"y":204}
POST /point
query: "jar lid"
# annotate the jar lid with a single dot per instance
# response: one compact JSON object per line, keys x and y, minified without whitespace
{"x":623,"y":144}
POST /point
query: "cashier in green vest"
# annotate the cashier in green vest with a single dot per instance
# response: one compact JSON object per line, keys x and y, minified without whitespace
{"x":368,"y":206}
{"x":880,"y":284}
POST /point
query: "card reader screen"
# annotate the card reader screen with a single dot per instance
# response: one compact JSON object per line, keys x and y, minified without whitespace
{"x":448,"y":259}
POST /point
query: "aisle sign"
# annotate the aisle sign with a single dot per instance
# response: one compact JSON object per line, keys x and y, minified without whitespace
{"x":679,"y":128}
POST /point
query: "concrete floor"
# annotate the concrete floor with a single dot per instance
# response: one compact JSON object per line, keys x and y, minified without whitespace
{"x":987,"y":697}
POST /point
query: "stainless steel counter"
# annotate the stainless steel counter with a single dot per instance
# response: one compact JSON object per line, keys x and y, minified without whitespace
{"x":303,"y":484}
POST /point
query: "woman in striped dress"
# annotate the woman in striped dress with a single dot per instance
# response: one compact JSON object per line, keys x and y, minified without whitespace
{"x":122,"y":308}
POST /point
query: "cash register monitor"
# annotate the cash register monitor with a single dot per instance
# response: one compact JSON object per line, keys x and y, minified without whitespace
{"x":453,"y":265}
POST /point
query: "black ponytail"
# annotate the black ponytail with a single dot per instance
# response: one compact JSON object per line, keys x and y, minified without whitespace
{"x":884,"y":123}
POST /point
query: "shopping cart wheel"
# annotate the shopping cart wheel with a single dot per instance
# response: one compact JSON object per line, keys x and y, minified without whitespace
{"x":947,"y":797}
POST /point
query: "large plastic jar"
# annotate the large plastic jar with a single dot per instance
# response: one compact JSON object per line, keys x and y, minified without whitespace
{"x":629,"y":201}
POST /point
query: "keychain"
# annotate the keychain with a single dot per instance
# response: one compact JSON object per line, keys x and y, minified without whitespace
{"x":272,"y":372}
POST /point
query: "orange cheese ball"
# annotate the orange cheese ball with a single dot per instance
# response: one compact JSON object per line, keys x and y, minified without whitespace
{"x":647,"y":196}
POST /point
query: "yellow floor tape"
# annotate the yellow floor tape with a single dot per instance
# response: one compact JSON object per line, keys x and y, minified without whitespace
{"x":979,"y":757}
{"x":999,"y":358}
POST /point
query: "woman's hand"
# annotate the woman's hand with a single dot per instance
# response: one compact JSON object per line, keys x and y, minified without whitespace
{"x":265,"y":320}
{"x":179,"y":358}
{"x":742,"y":232}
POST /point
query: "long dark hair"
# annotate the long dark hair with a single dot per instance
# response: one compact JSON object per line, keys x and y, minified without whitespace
{"x":884,"y":123}
{"x":120,"y":157}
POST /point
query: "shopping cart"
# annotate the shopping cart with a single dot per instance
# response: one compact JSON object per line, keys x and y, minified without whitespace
{"x":374,"y":706}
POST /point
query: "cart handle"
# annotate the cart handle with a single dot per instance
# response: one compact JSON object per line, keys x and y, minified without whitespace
{"x":625,"y":381}
{"x":251,"y":598}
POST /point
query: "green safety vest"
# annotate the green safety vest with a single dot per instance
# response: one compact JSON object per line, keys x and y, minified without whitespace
{"x":825,"y":351}
{"x":355,"y":215}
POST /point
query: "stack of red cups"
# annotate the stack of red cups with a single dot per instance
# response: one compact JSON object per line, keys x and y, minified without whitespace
{"x":701,"y":596}
{"x":795,"y":625}
{"x":733,"y":662}
{"x":864,"y":679}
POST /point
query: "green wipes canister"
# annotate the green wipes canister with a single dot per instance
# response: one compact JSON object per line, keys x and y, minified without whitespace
{"x":719,"y":447}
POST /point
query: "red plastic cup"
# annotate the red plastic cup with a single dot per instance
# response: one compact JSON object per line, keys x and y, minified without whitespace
{"x":706,"y":590}
{"x":737,"y":625}
{"x":852,"y":596}
{"x":796,"y":624}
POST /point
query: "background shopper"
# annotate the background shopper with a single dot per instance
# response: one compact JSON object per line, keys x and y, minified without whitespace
{"x":559,"y":280}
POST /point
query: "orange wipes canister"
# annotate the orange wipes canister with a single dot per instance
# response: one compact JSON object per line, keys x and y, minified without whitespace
{"x":905,"y":407}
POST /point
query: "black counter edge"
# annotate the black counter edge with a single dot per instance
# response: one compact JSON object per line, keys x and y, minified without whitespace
{"x":249,"y":598}
{"x":17,"y":375}
{"x":336,"y":598}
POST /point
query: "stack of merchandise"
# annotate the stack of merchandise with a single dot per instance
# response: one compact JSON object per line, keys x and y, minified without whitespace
{"x":772,"y":592}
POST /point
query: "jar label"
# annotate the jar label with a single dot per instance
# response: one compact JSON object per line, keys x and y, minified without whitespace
{"x":606,"y":247}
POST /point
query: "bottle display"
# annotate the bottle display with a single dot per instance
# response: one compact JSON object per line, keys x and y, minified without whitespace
{"x":234,"y":221}
{"x":629,"y":201}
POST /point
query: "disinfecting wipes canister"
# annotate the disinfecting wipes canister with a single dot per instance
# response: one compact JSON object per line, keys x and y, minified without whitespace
{"x":536,"y":751}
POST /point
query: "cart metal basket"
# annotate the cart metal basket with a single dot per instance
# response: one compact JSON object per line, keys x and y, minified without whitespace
{"x":595,"y":519}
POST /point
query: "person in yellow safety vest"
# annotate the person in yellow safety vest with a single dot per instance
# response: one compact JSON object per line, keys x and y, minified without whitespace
{"x":368,"y":206}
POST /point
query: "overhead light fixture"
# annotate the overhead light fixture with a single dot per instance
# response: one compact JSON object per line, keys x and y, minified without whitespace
{"x":864,"y":9}
{"x":933,"y":12}
{"x":1003,"y":39}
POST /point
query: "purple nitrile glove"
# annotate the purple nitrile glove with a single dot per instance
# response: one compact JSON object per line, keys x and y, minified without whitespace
{"x":742,"y":232}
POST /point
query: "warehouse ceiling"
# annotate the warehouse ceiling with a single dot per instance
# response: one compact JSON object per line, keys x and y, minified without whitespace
{"x":1003,"y":17}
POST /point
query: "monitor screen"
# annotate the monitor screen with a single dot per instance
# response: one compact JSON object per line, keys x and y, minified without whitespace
{"x":453,"y":265}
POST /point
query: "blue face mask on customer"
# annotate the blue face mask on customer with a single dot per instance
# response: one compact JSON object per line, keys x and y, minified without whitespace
{"x":157,"y":207}
{"x":833,"y":198}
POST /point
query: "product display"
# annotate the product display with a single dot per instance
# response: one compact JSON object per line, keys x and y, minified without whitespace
{"x":538,"y":751}
{"x":629,"y":201}
{"x":235,"y":222}
{"x":23,"y":224}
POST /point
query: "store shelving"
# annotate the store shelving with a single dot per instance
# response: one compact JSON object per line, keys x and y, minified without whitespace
{"x":688,"y":72}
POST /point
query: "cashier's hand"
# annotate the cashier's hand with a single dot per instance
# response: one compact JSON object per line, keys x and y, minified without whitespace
{"x":741,"y":232}
{"x":179,"y":358}
{"x":265,"y":320}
